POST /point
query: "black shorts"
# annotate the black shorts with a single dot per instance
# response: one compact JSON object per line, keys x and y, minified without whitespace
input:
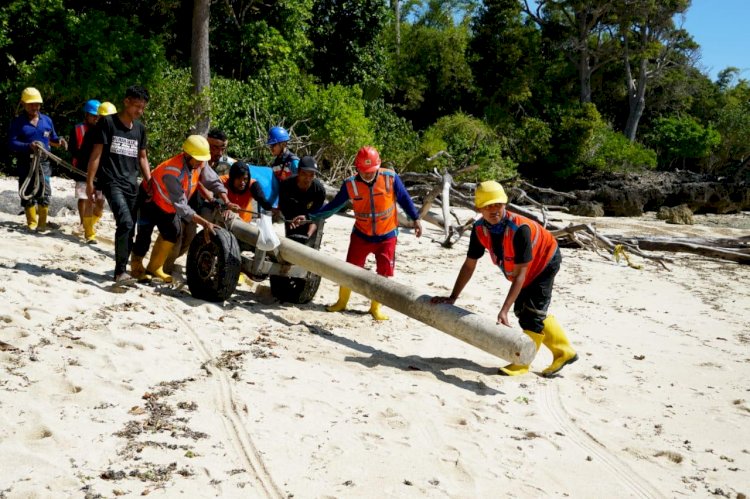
{"x":533,"y":301}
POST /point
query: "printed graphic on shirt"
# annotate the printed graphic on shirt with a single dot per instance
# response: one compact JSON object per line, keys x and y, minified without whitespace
{"x":124,"y":147}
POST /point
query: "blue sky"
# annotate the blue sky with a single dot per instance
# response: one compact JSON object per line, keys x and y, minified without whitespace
{"x":721,"y":27}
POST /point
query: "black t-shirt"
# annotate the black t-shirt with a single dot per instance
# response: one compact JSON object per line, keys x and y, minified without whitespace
{"x":521,"y":245}
{"x":294,"y":202}
{"x":121,"y":146}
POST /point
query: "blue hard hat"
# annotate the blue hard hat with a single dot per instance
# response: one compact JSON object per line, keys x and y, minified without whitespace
{"x":91,"y":107}
{"x":277,"y":134}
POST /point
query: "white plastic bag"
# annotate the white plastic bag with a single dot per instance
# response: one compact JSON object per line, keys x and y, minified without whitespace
{"x":267,"y":238}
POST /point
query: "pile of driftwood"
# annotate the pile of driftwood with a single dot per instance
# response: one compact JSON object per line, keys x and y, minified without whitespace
{"x":434,"y":188}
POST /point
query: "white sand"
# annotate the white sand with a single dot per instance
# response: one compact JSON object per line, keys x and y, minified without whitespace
{"x":150,"y":391}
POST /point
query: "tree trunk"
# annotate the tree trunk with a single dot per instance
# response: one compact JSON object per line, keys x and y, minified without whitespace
{"x":397,"y":13}
{"x":636,"y":85}
{"x":584,"y":73}
{"x":200,"y":68}
{"x":637,"y":102}
{"x":584,"y":63}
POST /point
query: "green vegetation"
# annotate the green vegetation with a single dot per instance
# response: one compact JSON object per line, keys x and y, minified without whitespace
{"x":487,"y":83}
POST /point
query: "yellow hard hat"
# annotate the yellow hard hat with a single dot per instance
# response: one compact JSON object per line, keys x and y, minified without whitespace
{"x":31,"y":95}
{"x":196,"y":146}
{"x":489,"y":192}
{"x":106,"y":108}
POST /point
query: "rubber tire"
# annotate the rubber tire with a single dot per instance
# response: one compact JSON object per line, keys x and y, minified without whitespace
{"x":295,"y":289}
{"x":213,"y":269}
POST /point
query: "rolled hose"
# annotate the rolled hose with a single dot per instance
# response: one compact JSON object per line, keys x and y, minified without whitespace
{"x":35,"y":175}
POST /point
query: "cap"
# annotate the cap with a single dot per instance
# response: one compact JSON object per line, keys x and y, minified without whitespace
{"x":308,"y":164}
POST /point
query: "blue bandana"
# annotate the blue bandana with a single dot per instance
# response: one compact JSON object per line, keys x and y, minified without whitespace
{"x":498,"y":228}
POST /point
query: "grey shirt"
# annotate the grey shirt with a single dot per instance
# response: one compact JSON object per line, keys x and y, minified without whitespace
{"x":208,"y":178}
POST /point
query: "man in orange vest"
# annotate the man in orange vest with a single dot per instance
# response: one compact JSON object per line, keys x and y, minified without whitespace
{"x":171,"y":185}
{"x":529,"y":257}
{"x":374,"y":193}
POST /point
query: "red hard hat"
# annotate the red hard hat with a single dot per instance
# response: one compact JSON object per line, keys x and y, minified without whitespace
{"x":367,"y":160}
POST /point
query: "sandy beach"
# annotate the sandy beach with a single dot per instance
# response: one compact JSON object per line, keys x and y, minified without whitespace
{"x":106,"y":392}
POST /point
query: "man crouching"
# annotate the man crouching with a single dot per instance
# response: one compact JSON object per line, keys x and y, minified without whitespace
{"x":172,"y":184}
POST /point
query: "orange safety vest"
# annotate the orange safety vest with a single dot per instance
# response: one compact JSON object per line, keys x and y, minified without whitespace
{"x":374,"y":205}
{"x":177,"y":167}
{"x":543,"y":245}
{"x":80,"y":129}
{"x":245,"y":199}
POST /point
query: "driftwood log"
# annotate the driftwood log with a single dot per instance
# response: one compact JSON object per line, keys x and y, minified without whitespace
{"x":741,"y":255}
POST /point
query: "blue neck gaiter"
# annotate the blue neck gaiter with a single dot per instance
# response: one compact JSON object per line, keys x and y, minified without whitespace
{"x":498,"y":228}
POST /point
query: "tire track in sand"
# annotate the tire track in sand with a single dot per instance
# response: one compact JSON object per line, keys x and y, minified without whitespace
{"x":552,"y":407}
{"x":228,"y":409}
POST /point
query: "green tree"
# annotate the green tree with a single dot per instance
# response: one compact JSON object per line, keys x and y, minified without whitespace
{"x":733,"y":121}
{"x":468,"y":141}
{"x":432,"y":77}
{"x":682,"y":140}
{"x":650,"y":44}
{"x":581,"y":30}
{"x":398,"y":139}
{"x":346,"y":37}
{"x":330,"y":120}
{"x":250,"y":39}
{"x":503,"y":54}
{"x":169,"y":116}
{"x":72,"y":57}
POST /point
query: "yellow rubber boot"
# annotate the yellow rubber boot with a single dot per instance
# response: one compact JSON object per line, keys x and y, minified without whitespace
{"x":95,"y":220}
{"x":137,"y":270}
{"x":376,"y":313}
{"x":517,"y":369}
{"x":30,"y":217}
{"x":43,"y":212}
{"x":159,"y":254}
{"x":344,"y":294}
{"x":555,"y":339}
{"x":89,"y":233}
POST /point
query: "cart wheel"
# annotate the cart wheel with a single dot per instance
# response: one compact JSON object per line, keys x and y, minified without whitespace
{"x":293,"y":289}
{"x":214,"y":267}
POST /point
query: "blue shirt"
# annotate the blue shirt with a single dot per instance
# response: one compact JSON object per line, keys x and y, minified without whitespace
{"x":22,"y":133}
{"x":403,"y":199}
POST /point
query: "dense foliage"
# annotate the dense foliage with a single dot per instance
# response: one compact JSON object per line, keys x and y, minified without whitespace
{"x":549,"y":89}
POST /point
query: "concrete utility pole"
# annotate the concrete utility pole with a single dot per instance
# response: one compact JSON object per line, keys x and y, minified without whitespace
{"x":481,"y":332}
